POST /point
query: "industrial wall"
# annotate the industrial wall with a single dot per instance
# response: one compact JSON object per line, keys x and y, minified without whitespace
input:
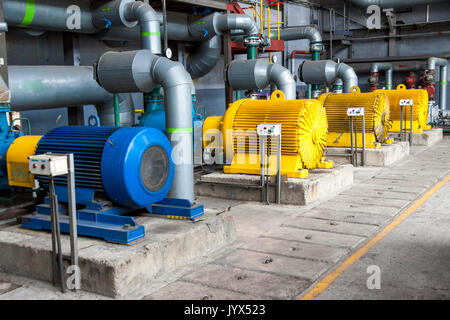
{"x":52,"y":48}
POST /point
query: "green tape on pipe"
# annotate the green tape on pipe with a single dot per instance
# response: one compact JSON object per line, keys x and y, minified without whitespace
{"x":444,"y":83}
{"x":149,"y":34}
{"x":389,"y":85}
{"x":29,"y":13}
{"x":179,"y":130}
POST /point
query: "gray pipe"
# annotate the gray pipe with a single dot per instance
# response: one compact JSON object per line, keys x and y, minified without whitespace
{"x":126,"y":111}
{"x":393,"y":3}
{"x":387,"y":67}
{"x":431,"y":65}
{"x":149,"y":24}
{"x":141,"y":71}
{"x":257,"y":74}
{"x":297,"y":33}
{"x":45,"y":87}
{"x":48,"y":15}
{"x":231,"y":21}
{"x":326,"y":71}
{"x":205,"y":57}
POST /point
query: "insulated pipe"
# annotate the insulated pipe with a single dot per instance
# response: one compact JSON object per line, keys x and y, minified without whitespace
{"x":393,"y":3}
{"x":257,"y":74}
{"x":387,"y":67}
{"x":141,"y":71}
{"x":326,"y":71}
{"x":49,"y":15}
{"x":431,"y":65}
{"x":45,"y":87}
{"x":304,"y":32}
{"x":204,"y":59}
{"x":149,"y":24}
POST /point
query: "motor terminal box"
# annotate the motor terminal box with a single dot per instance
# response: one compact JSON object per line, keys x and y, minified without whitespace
{"x":355,"y":112}
{"x":266,"y":129}
{"x":48,"y":165}
{"x":406,"y":102}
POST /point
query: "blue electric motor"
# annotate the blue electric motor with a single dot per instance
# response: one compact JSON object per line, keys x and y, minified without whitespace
{"x":131,"y":167}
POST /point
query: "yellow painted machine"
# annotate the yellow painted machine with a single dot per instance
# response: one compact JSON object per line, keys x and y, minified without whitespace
{"x":376,"y":109}
{"x":420,"y":108}
{"x":303,"y":134}
{"x":17,"y":161}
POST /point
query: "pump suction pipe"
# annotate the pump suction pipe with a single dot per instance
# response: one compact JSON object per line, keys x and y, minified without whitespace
{"x":315,"y":45}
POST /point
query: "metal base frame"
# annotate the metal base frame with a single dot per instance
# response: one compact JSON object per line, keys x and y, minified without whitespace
{"x":177,"y":209}
{"x":93,"y":221}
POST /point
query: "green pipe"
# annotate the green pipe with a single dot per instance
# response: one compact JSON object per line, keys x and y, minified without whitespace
{"x":251,"y":52}
{"x":116,"y":110}
{"x":315,"y":55}
{"x":252,"y":46}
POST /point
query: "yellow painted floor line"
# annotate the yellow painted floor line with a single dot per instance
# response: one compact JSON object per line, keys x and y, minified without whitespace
{"x":321,"y":286}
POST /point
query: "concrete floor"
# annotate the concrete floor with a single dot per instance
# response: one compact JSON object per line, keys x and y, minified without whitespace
{"x":282,"y":251}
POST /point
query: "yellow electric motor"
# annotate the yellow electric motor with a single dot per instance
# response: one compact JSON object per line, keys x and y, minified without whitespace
{"x":17,"y":161}
{"x":376,"y":113}
{"x":303,"y":134}
{"x":420,"y":108}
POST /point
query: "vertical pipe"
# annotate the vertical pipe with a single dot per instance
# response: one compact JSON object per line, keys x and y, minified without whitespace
{"x":166,"y":37}
{"x":116,"y":110}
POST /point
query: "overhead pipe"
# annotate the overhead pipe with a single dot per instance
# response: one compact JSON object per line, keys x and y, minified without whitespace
{"x":375,"y":69}
{"x":46,"y":87}
{"x":49,"y":15}
{"x":141,"y":71}
{"x":327,"y":71}
{"x":431,"y":68}
{"x":49,"y":87}
{"x":315,"y":44}
{"x":393,"y":3}
{"x":257,"y":74}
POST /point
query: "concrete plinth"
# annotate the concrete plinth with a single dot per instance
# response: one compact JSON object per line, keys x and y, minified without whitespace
{"x":427,"y":137}
{"x":116,"y":270}
{"x":320,"y":184}
{"x":386,"y":155}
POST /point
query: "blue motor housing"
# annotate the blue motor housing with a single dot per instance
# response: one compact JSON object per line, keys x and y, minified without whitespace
{"x":132,"y":166}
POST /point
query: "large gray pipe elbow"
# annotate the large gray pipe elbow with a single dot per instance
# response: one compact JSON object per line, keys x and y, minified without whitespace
{"x":348,"y":76}
{"x":297,"y":33}
{"x":205,"y":57}
{"x":327,"y":71}
{"x":387,"y":67}
{"x":205,"y":28}
{"x":141,"y":71}
{"x":233,"y":21}
{"x":149,"y":24}
{"x":257,"y":74}
{"x":283,"y":79}
{"x":442,"y":63}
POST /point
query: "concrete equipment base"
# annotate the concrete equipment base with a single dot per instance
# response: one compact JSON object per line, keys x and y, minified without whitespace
{"x":427,"y":137}
{"x":319,"y":185}
{"x":385,"y":156}
{"x":121,"y":271}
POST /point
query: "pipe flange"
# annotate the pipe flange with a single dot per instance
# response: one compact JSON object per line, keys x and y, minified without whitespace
{"x":252,"y":41}
{"x":316,"y":46}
